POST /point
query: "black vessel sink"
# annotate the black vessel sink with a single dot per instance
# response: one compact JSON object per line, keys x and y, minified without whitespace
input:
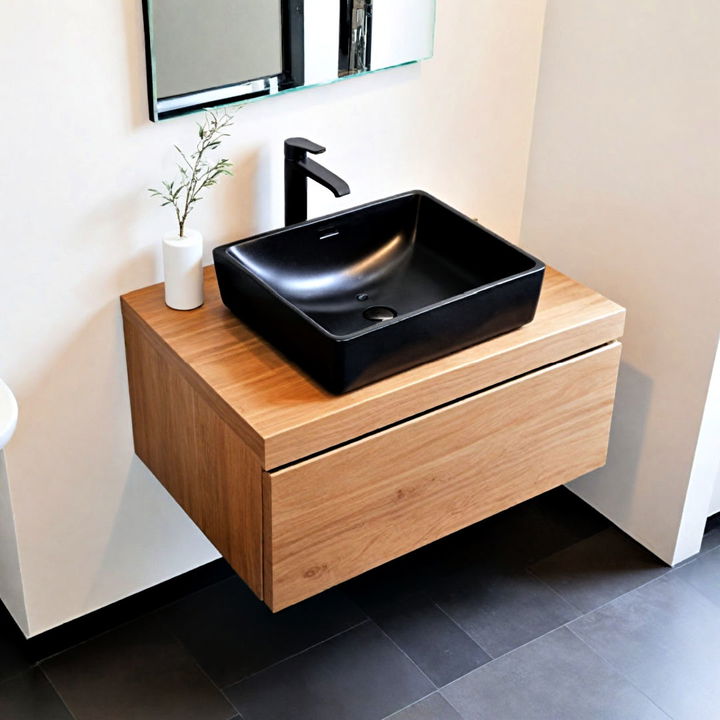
{"x":369,"y":292}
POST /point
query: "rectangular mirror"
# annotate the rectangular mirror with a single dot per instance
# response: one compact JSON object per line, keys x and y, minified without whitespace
{"x":218,"y":52}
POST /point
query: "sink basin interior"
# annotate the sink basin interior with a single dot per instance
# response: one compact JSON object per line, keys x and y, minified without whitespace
{"x":358,"y":270}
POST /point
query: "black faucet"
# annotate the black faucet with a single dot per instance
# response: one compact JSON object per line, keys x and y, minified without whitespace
{"x":298,"y":168}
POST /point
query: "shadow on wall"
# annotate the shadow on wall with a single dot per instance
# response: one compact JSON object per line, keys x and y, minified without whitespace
{"x":627,"y":437}
{"x":89,"y":498}
{"x":142,"y":516}
{"x":245,"y":199}
{"x":70,"y":428}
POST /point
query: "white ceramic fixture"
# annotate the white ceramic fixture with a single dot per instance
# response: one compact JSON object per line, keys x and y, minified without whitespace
{"x":8,"y":414}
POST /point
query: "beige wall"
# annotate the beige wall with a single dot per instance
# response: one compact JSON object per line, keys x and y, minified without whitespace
{"x":623,"y":194}
{"x":79,"y":229}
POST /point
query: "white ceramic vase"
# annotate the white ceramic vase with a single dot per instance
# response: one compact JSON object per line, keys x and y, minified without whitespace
{"x":182,"y":265}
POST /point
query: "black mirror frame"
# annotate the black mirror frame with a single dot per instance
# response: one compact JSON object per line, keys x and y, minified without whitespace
{"x":292,"y":76}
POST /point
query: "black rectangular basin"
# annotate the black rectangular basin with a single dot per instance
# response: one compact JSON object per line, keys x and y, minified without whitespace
{"x":368,"y":292}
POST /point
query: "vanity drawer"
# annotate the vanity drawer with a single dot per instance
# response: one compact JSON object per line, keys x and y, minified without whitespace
{"x":338,"y":514}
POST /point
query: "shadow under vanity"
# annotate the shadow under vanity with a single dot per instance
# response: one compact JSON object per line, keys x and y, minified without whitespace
{"x":300,"y":489}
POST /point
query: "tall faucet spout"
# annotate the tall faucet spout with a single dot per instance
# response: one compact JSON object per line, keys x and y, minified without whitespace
{"x":298,"y":168}
{"x":315,"y":171}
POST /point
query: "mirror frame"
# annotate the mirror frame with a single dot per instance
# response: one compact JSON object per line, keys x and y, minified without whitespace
{"x":292,"y":76}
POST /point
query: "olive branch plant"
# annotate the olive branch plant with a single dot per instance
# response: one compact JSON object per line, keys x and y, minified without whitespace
{"x":197,"y":173}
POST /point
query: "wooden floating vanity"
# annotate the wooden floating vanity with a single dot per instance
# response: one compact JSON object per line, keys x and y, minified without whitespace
{"x":300,"y":490}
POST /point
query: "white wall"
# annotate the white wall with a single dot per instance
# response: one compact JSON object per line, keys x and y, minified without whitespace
{"x":79,"y":229}
{"x":623,"y":194}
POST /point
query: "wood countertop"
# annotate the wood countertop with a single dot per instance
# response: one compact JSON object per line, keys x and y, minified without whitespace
{"x":284,"y":416}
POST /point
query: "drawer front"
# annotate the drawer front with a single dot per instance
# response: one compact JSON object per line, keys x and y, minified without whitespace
{"x":341,"y":513}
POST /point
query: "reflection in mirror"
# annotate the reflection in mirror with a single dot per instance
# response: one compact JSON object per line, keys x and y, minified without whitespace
{"x":218,"y":52}
{"x":355,"y":36}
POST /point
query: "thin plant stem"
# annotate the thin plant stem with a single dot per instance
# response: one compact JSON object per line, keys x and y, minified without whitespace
{"x":196,"y":172}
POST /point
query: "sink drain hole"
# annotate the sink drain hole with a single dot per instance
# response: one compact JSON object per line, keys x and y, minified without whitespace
{"x":379,"y":313}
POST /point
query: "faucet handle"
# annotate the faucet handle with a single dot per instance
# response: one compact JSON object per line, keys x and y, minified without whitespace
{"x":297,"y":148}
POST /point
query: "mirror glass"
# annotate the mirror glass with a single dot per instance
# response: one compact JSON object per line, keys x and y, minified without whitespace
{"x":204,"y":53}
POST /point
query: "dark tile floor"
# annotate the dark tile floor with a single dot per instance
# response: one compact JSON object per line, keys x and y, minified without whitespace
{"x":543,"y":612}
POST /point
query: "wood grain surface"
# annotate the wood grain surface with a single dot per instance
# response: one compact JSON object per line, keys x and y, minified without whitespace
{"x":343,"y":512}
{"x":204,"y":464}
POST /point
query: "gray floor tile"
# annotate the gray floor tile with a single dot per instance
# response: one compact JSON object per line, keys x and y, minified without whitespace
{"x":389,"y":584}
{"x":430,"y":638}
{"x":703,"y":574}
{"x":30,"y":696}
{"x":232,"y":634}
{"x":599,"y":569}
{"x":359,"y":675}
{"x":522,"y":534}
{"x":546,"y":524}
{"x":433,"y":707}
{"x":556,"y":677}
{"x":136,"y":671}
{"x":665,"y":638}
{"x":501,"y":608}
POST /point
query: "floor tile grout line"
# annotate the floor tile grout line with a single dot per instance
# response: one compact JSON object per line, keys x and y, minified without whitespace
{"x":625,"y":594}
{"x":504,"y":655}
{"x":619,"y":672}
{"x":582,"y":612}
{"x":295,"y":654}
{"x":236,"y":713}
{"x":18,"y":673}
{"x":552,"y":589}
{"x":74,"y":646}
{"x":539,"y":637}
{"x":408,"y":657}
{"x":412,"y":704}
{"x":129,"y":621}
{"x":165,"y":625}
{"x":57,"y":692}
{"x":697,"y":590}
{"x":567,"y":601}
{"x":460,"y":627}
{"x":497,"y":657}
{"x":194,"y":592}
